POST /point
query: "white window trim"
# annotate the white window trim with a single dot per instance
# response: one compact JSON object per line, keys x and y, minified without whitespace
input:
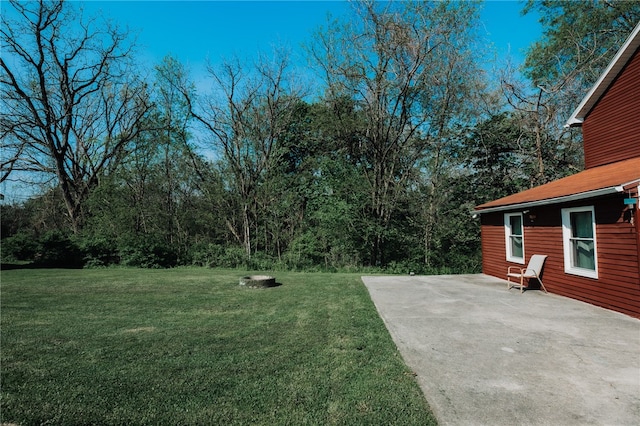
{"x":566,"y":242}
{"x":507,"y":240}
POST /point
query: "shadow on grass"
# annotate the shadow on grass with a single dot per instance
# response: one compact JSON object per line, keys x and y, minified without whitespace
{"x":5,"y":266}
{"x":266,"y":287}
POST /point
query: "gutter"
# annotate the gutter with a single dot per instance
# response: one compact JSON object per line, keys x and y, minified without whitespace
{"x":556,"y":200}
{"x":632,"y":184}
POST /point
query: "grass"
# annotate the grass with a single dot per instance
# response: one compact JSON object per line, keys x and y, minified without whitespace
{"x":190,"y":346}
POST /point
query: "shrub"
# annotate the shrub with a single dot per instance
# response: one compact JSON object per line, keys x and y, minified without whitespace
{"x":57,"y":250}
{"x":261,"y":261}
{"x":143,"y":253}
{"x":233,"y":257}
{"x":203,"y":254}
{"x":216,"y":255}
{"x":99,"y":251}
{"x":21,"y":246}
{"x":404,"y":267}
{"x":304,"y":253}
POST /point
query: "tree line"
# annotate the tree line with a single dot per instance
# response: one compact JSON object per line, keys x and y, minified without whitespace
{"x":380,"y":171}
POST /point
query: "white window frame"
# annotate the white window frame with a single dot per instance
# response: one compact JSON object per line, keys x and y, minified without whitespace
{"x":566,"y":243}
{"x":507,"y":237}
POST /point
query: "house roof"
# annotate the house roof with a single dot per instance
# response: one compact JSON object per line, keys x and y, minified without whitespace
{"x":606,"y":79}
{"x":597,"y":181}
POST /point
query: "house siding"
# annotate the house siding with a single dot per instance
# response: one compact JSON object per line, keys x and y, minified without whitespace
{"x":610,"y":131}
{"x":618,"y":283}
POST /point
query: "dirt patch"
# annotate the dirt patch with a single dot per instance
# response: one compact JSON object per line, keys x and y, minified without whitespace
{"x":138,"y":330}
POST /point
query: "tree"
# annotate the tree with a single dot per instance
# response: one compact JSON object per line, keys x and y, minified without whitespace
{"x":494,"y":155}
{"x":72,"y":104}
{"x":579,"y":38}
{"x":245,"y":120}
{"x":549,"y":151}
{"x":155,"y":193}
{"x":172,"y":137}
{"x":409,"y":67}
{"x":322,"y":188}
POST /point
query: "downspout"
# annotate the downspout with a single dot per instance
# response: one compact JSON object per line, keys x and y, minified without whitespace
{"x":636,"y":223}
{"x":635,"y":218}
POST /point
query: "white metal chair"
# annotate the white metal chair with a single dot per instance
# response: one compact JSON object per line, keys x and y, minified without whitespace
{"x":533,"y":270}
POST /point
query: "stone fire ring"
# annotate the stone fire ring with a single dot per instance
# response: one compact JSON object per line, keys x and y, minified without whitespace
{"x":258,"y":281}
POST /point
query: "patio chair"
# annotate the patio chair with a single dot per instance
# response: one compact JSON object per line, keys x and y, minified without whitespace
{"x":533,"y":270}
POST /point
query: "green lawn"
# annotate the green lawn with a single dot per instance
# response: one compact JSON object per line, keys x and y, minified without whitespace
{"x":190,"y":346}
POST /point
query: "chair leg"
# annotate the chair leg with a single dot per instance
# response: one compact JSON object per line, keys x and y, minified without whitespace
{"x":542,"y":285}
{"x":521,"y":284}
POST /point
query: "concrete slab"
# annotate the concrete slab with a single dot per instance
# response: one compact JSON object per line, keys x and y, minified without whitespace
{"x":485,"y":355}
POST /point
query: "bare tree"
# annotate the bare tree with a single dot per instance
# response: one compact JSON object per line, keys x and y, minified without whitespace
{"x":548,"y":150}
{"x":244,"y":119}
{"x":72,"y":105}
{"x":407,"y":66}
{"x":580,"y":38}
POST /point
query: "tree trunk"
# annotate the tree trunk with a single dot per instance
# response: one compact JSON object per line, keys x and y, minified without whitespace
{"x":246,"y":225}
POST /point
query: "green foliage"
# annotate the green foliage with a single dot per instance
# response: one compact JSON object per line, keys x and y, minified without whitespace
{"x":379,"y":174}
{"x":205,"y":254}
{"x":219,"y":256}
{"x":146,"y":253}
{"x":21,"y":246}
{"x":408,"y":70}
{"x":304,"y":253}
{"x":579,"y":38}
{"x":58,"y":250}
{"x":99,"y":251}
{"x":231,"y":257}
{"x":493,"y":154}
{"x":15,"y":218}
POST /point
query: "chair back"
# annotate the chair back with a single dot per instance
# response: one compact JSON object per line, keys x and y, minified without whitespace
{"x":536,"y":262}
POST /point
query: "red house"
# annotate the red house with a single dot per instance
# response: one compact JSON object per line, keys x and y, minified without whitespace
{"x":587,"y":224}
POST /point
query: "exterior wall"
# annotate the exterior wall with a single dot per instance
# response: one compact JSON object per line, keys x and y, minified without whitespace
{"x":618,"y":283}
{"x":610,"y":131}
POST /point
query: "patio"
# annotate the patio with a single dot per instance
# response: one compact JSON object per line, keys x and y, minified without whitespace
{"x":485,"y":355}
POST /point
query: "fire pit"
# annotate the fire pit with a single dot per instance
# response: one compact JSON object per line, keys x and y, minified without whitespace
{"x":258,"y":281}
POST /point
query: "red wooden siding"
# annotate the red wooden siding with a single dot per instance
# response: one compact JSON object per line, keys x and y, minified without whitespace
{"x":618,"y":283}
{"x":611,"y":132}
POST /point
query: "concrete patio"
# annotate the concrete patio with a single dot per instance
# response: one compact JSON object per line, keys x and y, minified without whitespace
{"x":485,"y":355}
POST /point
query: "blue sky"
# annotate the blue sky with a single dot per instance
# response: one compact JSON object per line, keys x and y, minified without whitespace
{"x":193,"y":31}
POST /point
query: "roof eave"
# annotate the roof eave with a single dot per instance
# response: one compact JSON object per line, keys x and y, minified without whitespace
{"x":630,"y":184}
{"x":606,"y":78}
{"x":574,"y":122}
{"x":555,"y":200}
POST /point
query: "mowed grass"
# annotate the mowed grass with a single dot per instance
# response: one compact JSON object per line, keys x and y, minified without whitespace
{"x":191,"y":346}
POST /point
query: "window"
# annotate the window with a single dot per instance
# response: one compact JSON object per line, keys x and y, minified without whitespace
{"x":514,"y":237}
{"x":579,"y":241}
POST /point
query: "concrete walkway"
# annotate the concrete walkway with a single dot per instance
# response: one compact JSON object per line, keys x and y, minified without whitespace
{"x":485,"y":355}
